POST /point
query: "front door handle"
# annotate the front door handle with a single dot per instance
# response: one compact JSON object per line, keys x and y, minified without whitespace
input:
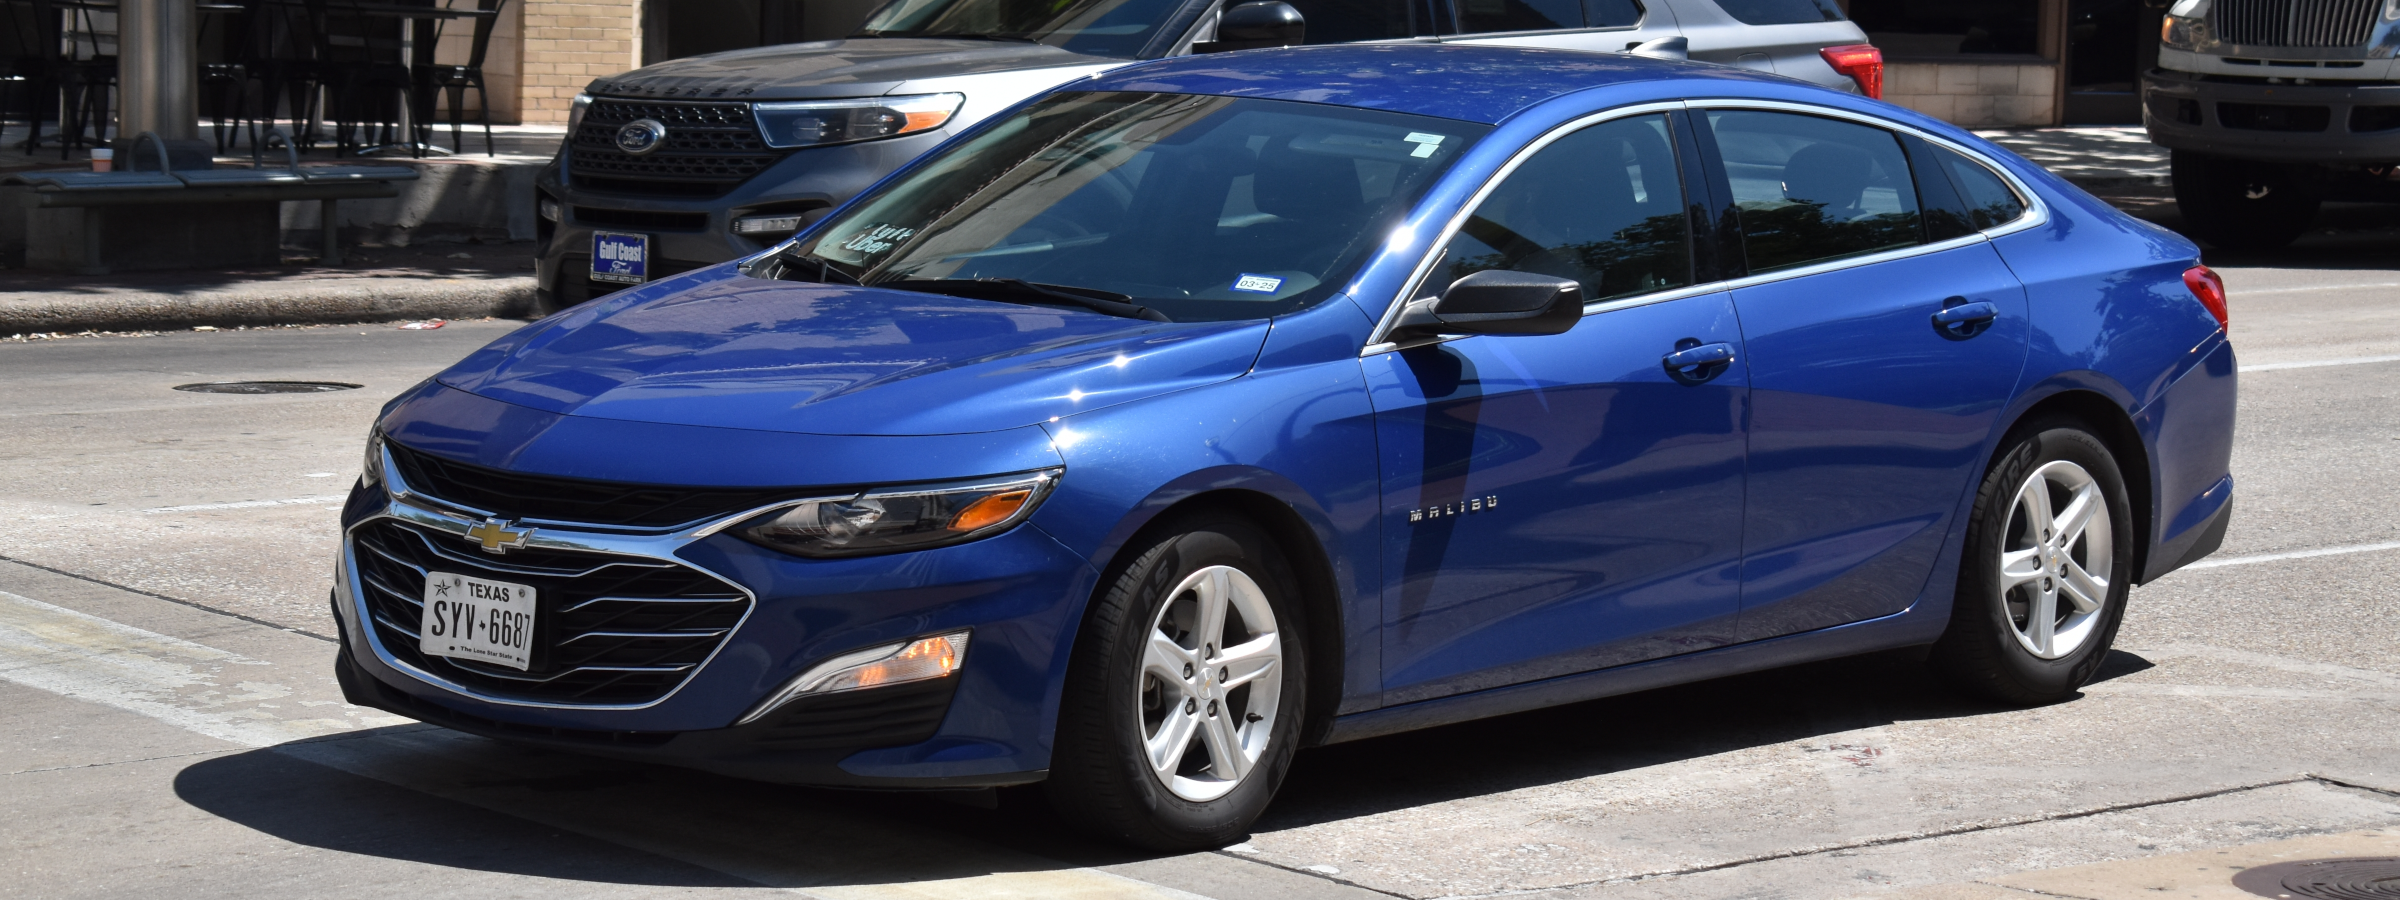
{"x":1694,"y":362}
{"x":1961,"y":319}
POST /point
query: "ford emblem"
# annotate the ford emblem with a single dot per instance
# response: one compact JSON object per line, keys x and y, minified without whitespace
{"x":641,"y":136}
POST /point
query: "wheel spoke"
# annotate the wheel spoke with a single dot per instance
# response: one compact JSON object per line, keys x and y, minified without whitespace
{"x":1165,"y":659}
{"x":2080,"y":588}
{"x":1224,"y":746}
{"x":2041,"y":618}
{"x":1249,"y":661}
{"x":1174,"y":738}
{"x":2020,"y":566}
{"x":1215,"y":594}
{"x":2077,"y":516}
{"x":2034,"y":499}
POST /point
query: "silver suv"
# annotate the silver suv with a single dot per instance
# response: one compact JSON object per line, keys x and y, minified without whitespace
{"x":696,"y":161}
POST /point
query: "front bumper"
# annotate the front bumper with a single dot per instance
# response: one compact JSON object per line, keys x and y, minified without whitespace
{"x":1019,"y":593}
{"x":2278,"y":122}
{"x":687,"y":233}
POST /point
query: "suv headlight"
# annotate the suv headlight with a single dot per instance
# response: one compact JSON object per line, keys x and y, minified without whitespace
{"x":892,"y":520}
{"x":807,"y":123}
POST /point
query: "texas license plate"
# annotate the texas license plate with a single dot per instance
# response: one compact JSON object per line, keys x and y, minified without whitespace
{"x":620,"y":258}
{"x":479,"y":619}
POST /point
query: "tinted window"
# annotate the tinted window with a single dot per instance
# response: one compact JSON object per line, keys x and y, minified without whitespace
{"x":1200,"y":207}
{"x":1343,"y":21}
{"x":1782,"y":12}
{"x":1603,"y":206}
{"x":1612,"y":13}
{"x":1812,"y":189}
{"x":1987,"y":198}
{"x":1098,"y":27}
{"x":1477,"y":16}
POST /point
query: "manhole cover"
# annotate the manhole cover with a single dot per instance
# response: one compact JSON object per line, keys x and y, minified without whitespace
{"x":266,"y":387}
{"x":2376,"y":878}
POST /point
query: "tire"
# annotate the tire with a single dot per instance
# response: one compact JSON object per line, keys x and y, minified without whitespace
{"x":2240,"y":204}
{"x":1995,"y":646}
{"x":1122,"y":691}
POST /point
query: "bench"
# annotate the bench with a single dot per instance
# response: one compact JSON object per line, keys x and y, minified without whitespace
{"x":168,"y":187}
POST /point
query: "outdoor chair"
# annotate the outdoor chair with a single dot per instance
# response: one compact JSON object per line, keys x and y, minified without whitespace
{"x":454,"y":80}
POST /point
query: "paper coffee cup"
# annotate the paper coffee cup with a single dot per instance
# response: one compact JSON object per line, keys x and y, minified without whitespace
{"x":103,"y":159}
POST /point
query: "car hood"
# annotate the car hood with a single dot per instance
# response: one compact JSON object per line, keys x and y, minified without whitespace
{"x":860,"y":67}
{"x":719,"y":349}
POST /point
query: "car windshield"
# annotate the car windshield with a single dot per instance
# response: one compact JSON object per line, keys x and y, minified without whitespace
{"x":1196,"y":207}
{"x":1098,"y":27}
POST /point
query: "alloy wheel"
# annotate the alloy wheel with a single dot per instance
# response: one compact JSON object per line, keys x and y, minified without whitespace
{"x":1211,"y":678}
{"x":2056,"y":558}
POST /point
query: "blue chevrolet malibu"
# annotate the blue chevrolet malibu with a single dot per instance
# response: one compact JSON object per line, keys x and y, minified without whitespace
{"x":1219,"y":407}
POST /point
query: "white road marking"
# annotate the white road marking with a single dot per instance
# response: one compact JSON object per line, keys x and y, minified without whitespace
{"x":2238,"y":293}
{"x":191,"y":686}
{"x":249,"y":504}
{"x":2314,"y":363}
{"x":2270,"y":661}
{"x":2295,"y":554}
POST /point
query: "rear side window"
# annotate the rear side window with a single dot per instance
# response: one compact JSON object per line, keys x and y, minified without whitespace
{"x":1603,"y":206}
{"x":1611,"y":13}
{"x":1482,"y":16}
{"x":1344,"y":21}
{"x":1987,"y":198}
{"x":1782,"y":12}
{"x":1812,"y":189}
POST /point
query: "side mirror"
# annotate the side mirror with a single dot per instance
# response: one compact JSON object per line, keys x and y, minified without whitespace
{"x":1663,"y":48}
{"x":1257,"y":24}
{"x":1496,"y":301}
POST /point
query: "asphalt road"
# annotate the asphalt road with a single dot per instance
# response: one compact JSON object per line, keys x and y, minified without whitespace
{"x":168,"y":723}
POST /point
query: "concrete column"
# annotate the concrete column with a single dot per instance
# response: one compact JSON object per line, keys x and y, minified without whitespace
{"x":157,"y":69}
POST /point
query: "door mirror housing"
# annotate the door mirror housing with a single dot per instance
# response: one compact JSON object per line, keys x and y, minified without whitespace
{"x":1255,"y":25}
{"x":1495,"y":301}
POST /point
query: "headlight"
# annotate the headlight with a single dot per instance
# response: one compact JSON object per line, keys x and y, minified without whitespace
{"x":804,"y":123}
{"x":897,"y":519}
{"x":575,"y":114}
{"x":371,"y":474}
{"x":2179,"y":32}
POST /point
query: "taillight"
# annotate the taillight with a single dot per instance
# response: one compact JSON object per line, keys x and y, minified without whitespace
{"x":2210,"y":289}
{"x":1862,"y":62}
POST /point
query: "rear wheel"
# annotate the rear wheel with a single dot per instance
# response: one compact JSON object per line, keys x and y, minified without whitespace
{"x":2241,"y":204}
{"x":1183,"y":705}
{"x":2048,"y":562}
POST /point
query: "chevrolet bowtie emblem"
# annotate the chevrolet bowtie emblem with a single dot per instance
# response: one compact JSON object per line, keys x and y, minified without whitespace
{"x":495,"y":537}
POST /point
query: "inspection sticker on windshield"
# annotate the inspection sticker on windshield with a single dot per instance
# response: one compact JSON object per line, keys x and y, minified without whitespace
{"x":1257,"y":284}
{"x":1426,"y":143}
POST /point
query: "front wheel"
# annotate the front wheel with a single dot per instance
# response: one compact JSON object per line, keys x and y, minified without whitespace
{"x":2241,"y":204}
{"x":1183,"y":704}
{"x":2048,"y":562}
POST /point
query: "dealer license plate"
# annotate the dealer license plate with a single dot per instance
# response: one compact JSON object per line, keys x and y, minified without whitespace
{"x":479,"y":619}
{"x":620,"y":258}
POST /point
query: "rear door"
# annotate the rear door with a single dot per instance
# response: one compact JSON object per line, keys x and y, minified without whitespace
{"x":1868,"y":417}
{"x":1561,"y":503}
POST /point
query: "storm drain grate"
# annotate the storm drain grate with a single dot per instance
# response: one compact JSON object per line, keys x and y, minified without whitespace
{"x":267,"y":387}
{"x":2376,"y":878}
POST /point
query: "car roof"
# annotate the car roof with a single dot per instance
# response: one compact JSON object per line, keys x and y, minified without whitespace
{"x":1454,"y":81}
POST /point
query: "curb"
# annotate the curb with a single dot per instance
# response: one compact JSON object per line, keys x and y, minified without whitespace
{"x":299,"y":302}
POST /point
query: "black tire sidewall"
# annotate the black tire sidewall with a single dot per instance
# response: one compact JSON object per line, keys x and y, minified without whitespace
{"x":1098,"y":772}
{"x":1981,"y":647}
{"x":2211,"y":193}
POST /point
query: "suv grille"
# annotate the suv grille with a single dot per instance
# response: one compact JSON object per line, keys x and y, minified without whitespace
{"x":543,"y":498}
{"x":2294,"y":23}
{"x":609,"y":629}
{"x":711,"y":147}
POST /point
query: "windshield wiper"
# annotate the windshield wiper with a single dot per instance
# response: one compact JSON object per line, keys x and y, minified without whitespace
{"x":1018,"y":290}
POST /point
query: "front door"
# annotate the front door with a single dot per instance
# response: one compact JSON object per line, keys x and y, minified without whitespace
{"x":1562,"y":503}
{"x":1868,"y":418}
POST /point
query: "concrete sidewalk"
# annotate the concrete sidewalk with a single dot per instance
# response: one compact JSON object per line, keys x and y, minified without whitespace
{"x":2096,"y":158}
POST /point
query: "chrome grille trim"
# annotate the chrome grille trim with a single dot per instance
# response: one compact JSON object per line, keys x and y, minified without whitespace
{"x":2293,"y":23}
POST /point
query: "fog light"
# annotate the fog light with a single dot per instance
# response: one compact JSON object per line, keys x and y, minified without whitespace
{"x":548,"y":209}
{"x":923,"y":659}
{"x":768,"y":224}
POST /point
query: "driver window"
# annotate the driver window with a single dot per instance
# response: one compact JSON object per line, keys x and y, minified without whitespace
{"x":1603,"y":206}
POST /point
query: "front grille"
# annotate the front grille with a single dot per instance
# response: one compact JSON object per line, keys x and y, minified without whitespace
{"x":642,"y":218}
{"x":2273,"y":117}
{"x":544,"y":498}
{"x":711,"y":146}
{"x":609,"y":629}
{"x":2293,"y":23}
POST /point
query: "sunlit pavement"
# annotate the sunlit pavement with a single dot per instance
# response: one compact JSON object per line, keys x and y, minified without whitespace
{"x":171,"y":725}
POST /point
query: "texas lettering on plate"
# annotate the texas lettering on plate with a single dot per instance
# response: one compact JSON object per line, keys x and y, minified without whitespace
{"x":479,"y":619}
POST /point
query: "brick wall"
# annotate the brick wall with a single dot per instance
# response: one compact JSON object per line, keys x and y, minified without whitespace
{"x":566,"y":44}
{"x":1976,"y":94}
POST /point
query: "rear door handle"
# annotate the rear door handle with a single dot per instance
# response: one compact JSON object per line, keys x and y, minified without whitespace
{"x":1960,"y":319}
{"x":1698,"y":363}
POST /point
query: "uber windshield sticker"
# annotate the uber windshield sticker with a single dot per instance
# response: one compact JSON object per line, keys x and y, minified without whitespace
{"x":877,"y":239}
{"x":1257,"y":284}
{"x":1426,"y":143}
